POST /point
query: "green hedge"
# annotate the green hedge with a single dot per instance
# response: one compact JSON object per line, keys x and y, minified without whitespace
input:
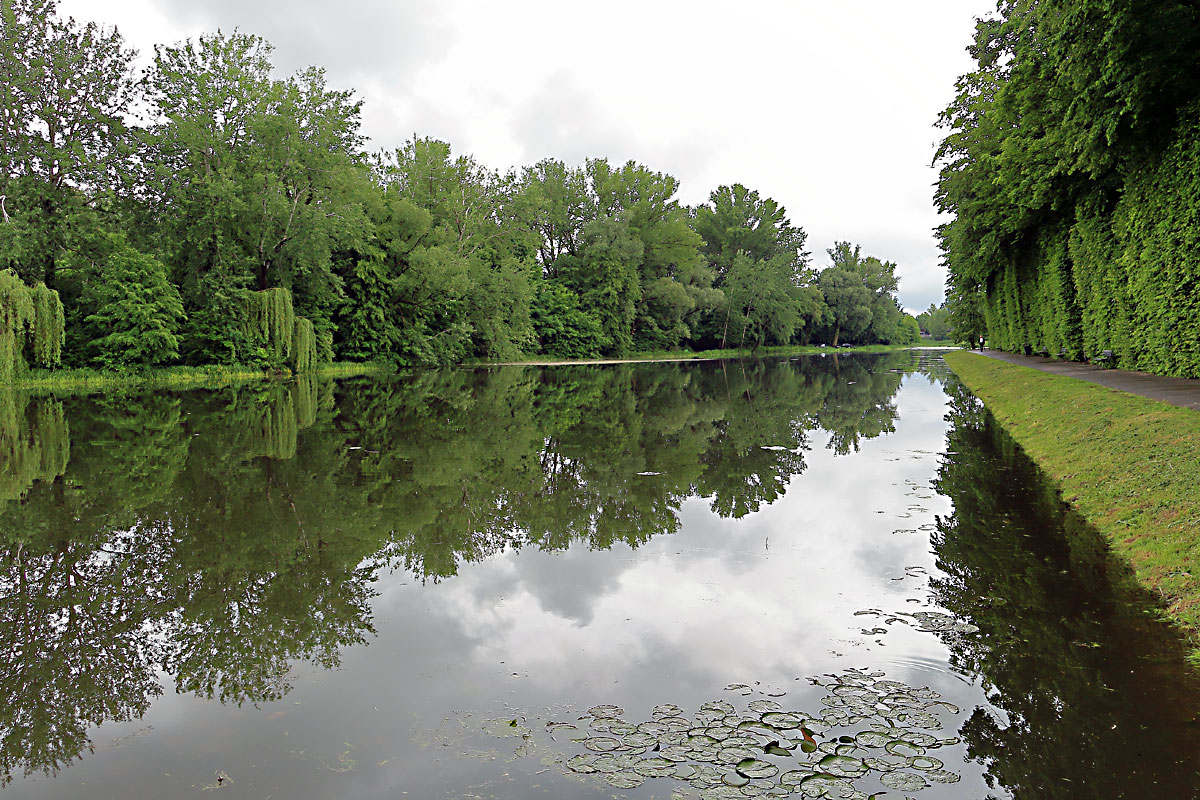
{"x":1120,"y":275}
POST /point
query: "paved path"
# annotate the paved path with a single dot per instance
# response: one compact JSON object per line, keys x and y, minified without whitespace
{"x":1183,"y":392}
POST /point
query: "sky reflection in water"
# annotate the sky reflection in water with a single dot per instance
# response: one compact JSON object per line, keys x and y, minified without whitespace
{"x":532,"y":631}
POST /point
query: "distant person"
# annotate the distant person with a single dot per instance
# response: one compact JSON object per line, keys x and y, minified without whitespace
{"x":981,"y":342}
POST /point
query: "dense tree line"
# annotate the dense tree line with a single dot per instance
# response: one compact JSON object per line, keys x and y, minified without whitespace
{"x":1072,"y":168}
{"x":170,"y":212}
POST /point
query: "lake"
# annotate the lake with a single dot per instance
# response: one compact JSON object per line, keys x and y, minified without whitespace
{"x":810,"y":577}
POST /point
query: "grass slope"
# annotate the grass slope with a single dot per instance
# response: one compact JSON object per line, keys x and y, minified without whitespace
{"x":1127,"y":464}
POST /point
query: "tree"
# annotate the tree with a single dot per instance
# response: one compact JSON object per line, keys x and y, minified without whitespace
{"x":66,"y":91}
{"x":761,"y":305}
{"x":849,"y":303}
{"x":132,"y":311}
{"x":605,"y":275}
{"x":256,"y":181}
{"x":736,"y":220}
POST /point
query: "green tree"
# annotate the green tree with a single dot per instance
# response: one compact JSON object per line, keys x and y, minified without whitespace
{"x":132,"y":311}
{"x":736,"y":220}
{"x":762,"y":306}
{"x":66,"y":92}
{"x":605,"y":275}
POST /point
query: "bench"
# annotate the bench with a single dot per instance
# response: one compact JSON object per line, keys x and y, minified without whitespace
{"x":1105,"y":359}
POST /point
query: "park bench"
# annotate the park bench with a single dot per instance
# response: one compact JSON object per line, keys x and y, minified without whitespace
{"x":1105,"y":359}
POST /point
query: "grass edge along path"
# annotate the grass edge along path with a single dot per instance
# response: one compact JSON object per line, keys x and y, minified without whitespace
{"x":1127,"y":464}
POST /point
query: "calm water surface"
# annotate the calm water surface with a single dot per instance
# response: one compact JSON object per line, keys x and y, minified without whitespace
{"x":826,"y":577}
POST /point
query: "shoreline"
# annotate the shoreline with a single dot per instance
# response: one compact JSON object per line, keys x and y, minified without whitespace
{"x":1125,"y":463}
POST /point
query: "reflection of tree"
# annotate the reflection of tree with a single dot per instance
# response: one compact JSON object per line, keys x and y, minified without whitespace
{"x":857,"y":399}
{"x":34,"y":442}
{"x":1097,"y":705}
{"x":223,"y":535}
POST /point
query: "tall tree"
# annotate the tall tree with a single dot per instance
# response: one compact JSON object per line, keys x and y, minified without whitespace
{"x":65,"y":91}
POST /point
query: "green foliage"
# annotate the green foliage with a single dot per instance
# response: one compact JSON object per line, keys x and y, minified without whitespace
{"x":1069,"y":167}
{"x":35,"y":442}
{"x":135,"y":311}
{"x":67,"y":91}
{"x":31,"y":320}
{"x":255,"y":193}
{"x":605,"y":275}
{"x":563,"y":328}
{"x":761,"y":306}
{"x":304,"y":346}
{"x":271,"y":322}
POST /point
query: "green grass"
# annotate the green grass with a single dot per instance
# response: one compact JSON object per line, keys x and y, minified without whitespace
{"x":1127,"y":464}
{"x":87,"y":380}
{"x":689,"y":355}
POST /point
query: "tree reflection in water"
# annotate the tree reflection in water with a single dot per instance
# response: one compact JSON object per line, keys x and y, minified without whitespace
{"x":222,"y":535}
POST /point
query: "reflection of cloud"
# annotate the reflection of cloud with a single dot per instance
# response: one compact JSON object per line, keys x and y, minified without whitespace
{"x":570,"y":584}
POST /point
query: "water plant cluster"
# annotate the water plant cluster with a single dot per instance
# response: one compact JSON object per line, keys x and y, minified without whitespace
{"x":869,"y":730}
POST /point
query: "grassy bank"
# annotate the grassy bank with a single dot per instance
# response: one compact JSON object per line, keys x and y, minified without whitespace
{"x":708,"y":355}
{"x":1127,"y":464}
{"x":86,"y":380}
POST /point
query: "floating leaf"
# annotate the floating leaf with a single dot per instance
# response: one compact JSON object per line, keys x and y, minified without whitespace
{"x":601,"y":744}
{"x":735,"y":779}
{"x":903,"y":781}
{"x":842,"y":766}
{"x":606,"y":712}
{"x":755,"y":768}
{"x":582,"y":764}
{"x":625,"y":780}
{"x":655,"y":767}
{"x":899,"y":747}
{"x":764,"y":706}
{"x":943,"y":776}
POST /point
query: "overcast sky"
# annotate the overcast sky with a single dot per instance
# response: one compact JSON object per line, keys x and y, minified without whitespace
{"x":828,"y":107}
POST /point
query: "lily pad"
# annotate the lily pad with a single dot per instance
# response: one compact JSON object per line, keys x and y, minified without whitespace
{"x":842,"y":766}
{"x":943,"y":776}
{"x":625,"y":780}
{"x":764,"y":706}
{"x":755,"y":768}
{"x":903,"y":781}
{"x":606,"y":712}
{"x":601,"y":744}
{"x":735,"y":779}
{"x":581,"y":764}
{"x":655,"y":767}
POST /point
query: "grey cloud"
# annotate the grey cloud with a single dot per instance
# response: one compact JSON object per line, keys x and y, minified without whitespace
{"x":353,"y":41}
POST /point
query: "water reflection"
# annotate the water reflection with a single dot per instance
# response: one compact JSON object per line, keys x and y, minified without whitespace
{"x":222,"y":536}
{"x":523,"y":544}
{"x":1095,"y":696}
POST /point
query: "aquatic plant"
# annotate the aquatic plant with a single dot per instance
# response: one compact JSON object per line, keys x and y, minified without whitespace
{"x":869,"y":728}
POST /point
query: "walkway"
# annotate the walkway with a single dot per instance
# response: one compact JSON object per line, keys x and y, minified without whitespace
{"x":1183,"y":392}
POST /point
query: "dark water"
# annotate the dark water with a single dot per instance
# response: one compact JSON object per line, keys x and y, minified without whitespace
{"x":568,"y":583}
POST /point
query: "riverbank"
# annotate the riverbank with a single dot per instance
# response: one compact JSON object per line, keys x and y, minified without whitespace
{"x":86,"y":380}
{"x":1127,"y":464}
{"x":705,"y":355}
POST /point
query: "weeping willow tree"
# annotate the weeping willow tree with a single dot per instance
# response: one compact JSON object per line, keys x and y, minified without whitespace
{"x":35,"y":443}
{"x":304,"y":345}
{"x":31,"y":320}
{"x":287,"y":338}
{"x":271,"y":321}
